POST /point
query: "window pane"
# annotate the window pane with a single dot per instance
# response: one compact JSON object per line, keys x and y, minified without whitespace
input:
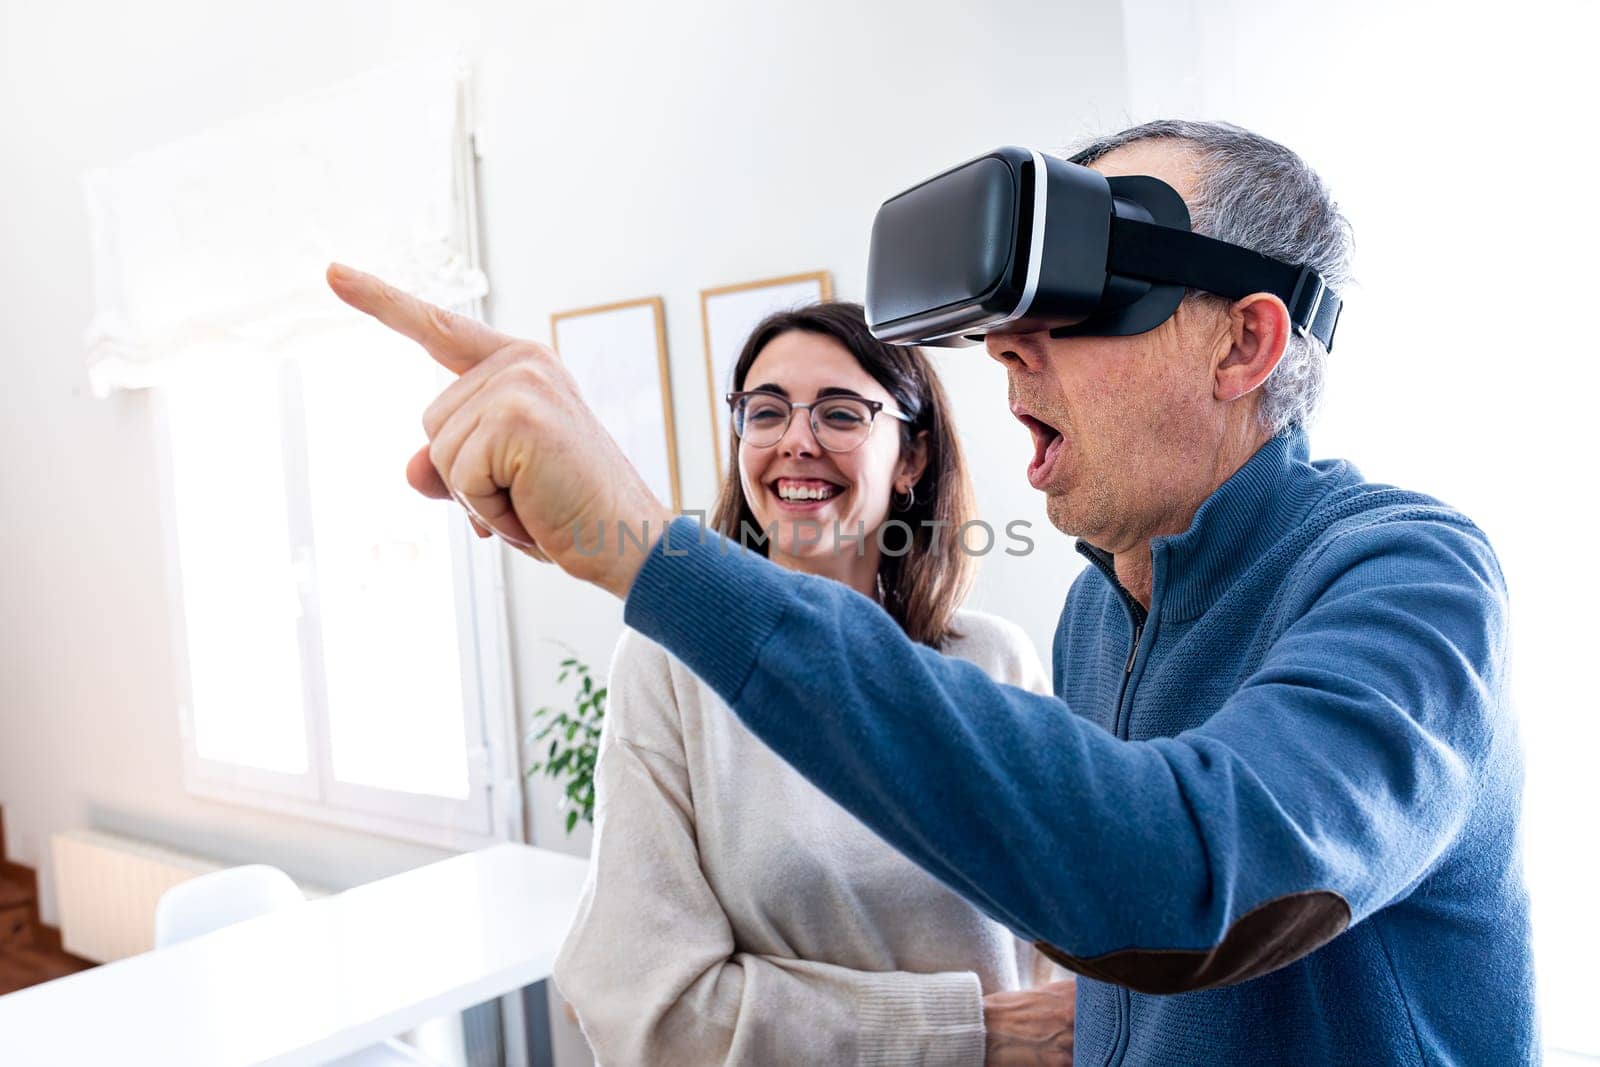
{"x":384,"y":573}
{"x":240,"y":597}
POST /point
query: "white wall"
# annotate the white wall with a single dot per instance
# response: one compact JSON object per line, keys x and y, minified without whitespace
{"x":627,"y":151}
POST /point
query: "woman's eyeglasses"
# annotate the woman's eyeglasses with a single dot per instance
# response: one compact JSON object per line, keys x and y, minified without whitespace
{"x":839,"y":423}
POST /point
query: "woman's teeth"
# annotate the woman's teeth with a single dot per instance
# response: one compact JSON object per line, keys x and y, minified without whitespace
{"x":806,"y":492}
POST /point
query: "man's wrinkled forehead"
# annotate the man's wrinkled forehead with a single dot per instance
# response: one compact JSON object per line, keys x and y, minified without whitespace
{"x":1171,"y":161}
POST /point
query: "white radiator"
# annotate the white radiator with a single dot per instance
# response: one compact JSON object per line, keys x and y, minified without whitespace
{"x":107,"y":887}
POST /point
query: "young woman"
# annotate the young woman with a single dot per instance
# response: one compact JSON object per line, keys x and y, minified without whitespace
{"x":733,"y":913}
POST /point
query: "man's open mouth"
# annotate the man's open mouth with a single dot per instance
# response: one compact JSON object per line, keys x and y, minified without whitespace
{"x":1047,"y":444}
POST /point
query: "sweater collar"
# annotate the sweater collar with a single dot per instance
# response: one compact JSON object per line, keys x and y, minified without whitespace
{"x":1231,"y":529}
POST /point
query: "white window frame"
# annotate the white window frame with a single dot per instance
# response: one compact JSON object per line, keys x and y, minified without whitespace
{"x":492,"y":810}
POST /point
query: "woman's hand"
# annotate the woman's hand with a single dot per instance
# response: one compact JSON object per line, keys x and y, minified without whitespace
{"x":512,"y":441}
{"x":1030,"y":1027}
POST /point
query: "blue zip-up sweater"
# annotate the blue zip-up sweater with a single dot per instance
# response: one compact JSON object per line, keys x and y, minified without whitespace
{"x":1275,"y":820}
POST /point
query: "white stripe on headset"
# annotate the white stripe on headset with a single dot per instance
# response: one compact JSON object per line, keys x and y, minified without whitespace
{"x":1035,"y":244}
{"x":1035,"y":256}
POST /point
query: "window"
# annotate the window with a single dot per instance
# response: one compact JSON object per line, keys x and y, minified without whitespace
{"x":341,"y":639}
{"x":328,"y":614}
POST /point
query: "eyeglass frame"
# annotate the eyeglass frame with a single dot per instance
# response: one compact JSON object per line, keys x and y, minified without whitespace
{"x":874,"y":407}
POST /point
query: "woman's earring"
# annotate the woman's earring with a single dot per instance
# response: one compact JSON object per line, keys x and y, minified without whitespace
{"x":911,"y":501}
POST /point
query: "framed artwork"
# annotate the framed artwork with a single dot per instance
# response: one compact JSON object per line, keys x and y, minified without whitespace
{"x":729,"y":313}
{"x":618,"y":354}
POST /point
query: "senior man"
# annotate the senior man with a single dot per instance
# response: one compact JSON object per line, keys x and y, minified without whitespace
{"x":1273,"y":815}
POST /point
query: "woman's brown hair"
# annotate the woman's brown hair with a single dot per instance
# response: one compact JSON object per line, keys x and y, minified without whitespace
{"x":923,"y":585}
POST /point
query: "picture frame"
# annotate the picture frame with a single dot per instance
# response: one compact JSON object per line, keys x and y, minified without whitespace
{"x":727,"y":314}
{"x":618,"y":354}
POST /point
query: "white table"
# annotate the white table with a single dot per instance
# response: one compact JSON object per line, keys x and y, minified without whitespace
{"x":315,"y":981}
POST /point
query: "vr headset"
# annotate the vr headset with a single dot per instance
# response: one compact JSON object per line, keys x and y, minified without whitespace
{"x":1016,"y":241}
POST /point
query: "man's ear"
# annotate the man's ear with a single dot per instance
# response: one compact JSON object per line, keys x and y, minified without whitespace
{"x":913,"y":461}
{"x":1258,"y":330}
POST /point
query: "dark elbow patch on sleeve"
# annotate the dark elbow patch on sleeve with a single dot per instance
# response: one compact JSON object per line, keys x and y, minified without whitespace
{"x":1265,"y":938}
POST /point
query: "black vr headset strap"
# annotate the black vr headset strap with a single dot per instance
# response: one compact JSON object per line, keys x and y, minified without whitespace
{"x":1182,"y":257}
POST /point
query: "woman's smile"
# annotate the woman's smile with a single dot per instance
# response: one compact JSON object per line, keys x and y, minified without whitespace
{"x":804,"y":495}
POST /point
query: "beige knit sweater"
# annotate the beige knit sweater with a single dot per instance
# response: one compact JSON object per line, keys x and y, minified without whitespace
{"x":735,"y":914}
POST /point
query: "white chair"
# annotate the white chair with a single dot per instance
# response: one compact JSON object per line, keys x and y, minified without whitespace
{"x":225,"y":897}
{"x":220,"y":899}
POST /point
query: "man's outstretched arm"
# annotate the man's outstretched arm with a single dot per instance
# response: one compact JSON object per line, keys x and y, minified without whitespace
{"x":1326,"y":786}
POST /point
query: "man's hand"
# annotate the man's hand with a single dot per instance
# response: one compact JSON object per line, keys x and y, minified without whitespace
{"x":1030,"y":1027}
{"x":512,"y":441}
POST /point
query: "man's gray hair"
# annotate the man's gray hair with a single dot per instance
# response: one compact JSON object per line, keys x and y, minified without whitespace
{"x":1256,"y":193}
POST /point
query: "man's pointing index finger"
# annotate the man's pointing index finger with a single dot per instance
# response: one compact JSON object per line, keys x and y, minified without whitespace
{"x":456,"y":341}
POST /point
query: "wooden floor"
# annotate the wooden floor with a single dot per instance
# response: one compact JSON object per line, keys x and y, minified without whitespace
{"x":23,"y":967}
{"x":30,"y":952}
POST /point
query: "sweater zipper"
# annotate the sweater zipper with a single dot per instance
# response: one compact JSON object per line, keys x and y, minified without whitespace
{"x":1138,"y":617}
{"x":1121,"y":728}
{"x":1119,"y":1048}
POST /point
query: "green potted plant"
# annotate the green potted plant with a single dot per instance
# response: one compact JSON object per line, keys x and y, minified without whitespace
{"x":574,"y":733}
